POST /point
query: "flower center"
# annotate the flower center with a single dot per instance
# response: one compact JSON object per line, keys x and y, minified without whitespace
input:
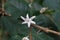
{"x":27,"y":20}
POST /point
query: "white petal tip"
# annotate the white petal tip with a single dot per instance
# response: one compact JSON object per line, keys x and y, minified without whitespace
{"x":27,"y":13}
{"x":28,"y":26}
{"x":21,"y":16}
{"x":34,"y":23}
{"x":22,"y":23}
{"x":34,"y":16}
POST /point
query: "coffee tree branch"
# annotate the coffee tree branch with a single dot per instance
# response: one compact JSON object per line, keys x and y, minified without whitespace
{"x":46,"y":29}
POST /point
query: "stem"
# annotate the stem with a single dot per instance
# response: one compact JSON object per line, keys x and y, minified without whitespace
{"x":30,"y":33}
{"x":46,"y":29}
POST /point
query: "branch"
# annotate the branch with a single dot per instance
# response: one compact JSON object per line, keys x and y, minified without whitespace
{"x":46,"y":29}
{"x":3,"y":10}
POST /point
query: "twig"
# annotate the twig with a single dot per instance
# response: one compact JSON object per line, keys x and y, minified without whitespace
{"x":46,"y":29}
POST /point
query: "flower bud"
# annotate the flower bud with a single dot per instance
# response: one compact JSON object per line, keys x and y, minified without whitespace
{"x":43,"y":9}
{"x":25,"y":38}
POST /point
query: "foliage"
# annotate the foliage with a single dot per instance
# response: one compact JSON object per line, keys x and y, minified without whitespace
{"x":11,"y":26}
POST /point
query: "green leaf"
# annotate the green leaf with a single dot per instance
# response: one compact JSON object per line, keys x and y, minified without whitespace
{"x":56,"y":18}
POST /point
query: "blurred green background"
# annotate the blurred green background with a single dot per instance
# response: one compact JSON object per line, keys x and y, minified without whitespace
{"x":12,"y":29}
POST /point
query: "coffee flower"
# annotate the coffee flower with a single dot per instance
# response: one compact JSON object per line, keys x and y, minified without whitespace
{"x":28,"y":20}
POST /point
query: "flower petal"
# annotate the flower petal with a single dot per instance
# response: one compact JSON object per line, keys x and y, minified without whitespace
{"x":25,"y":38}
{"x":23,"y":22}
{"x":27,"y":16}
{"x":33,"y":22}
{"x":22,"y":18}
{"x":32,"y":17}
{"x":29,"y":24}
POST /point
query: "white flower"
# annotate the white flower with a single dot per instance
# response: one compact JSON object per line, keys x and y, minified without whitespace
{"x":43,"y":9}
{"x":28,"y":20}
{"x":25,"y":38}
